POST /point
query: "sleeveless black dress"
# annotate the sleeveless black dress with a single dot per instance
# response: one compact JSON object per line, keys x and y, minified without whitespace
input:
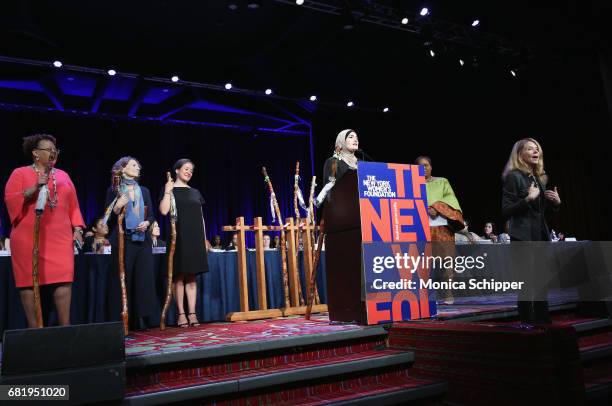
{"x":190,"y":255}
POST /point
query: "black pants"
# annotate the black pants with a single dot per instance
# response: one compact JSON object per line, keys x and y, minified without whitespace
{"x":139,"y":280}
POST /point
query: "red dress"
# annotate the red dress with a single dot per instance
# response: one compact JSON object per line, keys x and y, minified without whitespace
{"x":56,"y":252}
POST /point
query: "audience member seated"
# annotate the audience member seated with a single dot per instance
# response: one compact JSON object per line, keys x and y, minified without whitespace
{"x":233,"y":244}
{"x":155,"y":232}
{"x":504,"y":238}
{"x":216,"y":244}
{"x":95,"y":238}
{"x":489,"y":233}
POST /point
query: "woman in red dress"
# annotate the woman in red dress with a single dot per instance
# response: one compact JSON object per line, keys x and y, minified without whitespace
{"x":61,"y":223}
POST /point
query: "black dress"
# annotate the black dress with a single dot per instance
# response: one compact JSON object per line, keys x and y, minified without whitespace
{"x":190,"y":255}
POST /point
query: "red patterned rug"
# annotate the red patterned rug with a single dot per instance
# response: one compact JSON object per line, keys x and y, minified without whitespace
{"x":211,"y":335}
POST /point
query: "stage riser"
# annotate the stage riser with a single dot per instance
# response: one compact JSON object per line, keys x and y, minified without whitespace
{"x":169,"y":374}
{"x":497,"y":364}
{"x":389,"y":386}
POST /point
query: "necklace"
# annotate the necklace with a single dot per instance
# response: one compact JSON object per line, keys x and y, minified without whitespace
{"x":52,"y":196}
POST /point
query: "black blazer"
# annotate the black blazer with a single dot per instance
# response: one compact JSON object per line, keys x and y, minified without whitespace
{"x":527,"y":221}
{"x":112,"y":221}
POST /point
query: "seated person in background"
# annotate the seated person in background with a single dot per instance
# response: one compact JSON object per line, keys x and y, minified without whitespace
{"x":95,"y":239}
{"x":216,"y":244}
{"x":504,"y":238}
{"x":276,"y":244}
{"x":155,"y":232}
{"x":233,"y":244}
{"x":489,"y":232}
{"x":266,"y":242}
{"x":465,"y":236}
{"x":561,"y":236}
{"x":5,"y":243}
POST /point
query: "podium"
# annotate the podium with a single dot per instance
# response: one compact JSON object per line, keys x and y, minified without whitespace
{"x":343,"y":256}
{"x":377,"y":240}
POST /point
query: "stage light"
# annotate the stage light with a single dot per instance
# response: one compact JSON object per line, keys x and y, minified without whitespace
{"x":253,"y":5}
{"x":57,"y":64}
{"x":111,"y":72}
{"x":228,"y":86}
{"x":461,"y":62}
{"x":348,"y":21}
{"x":313,"y":98}
{"x":232,"y":6}
{"x":386,"y":110}
{"x":165,"y":90}
{"x":405,"y":20}
{"x":424,"y":11}
{"x":299,"y":2}
{"x":268,"y":91}
{"x":475,"y":23}
{"x":513,"y":72}
{"x":174,"y":78}
{"x":432,"y":53}
{"x":350,"y":104}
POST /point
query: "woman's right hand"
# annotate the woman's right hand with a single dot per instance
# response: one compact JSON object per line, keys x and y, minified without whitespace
{"x":433,"y":213}
{"x":122,"y":201}
{"x":43,"y":178}
{"x":532,"y":193}
{"x":169,"y":186}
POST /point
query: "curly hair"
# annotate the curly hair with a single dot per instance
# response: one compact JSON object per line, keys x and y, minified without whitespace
{"x":120,"y":164}
{"x":30,"y":142}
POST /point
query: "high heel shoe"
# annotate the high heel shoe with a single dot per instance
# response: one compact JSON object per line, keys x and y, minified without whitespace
{"x":195,"y":323}
{"x":182,"y":325}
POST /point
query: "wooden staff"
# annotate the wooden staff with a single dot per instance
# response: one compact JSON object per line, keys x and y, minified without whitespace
{"x":311,"y":218}
{"x":296,"y":188}
{"x":121,"y":247}
{"x":39,"y":208}
{"x":173,"y":216}
{"x":282,"y":239}
{"x":313,"y":276}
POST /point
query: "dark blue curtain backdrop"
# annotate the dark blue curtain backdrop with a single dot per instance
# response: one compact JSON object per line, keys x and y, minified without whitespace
{"x":228,"y":162}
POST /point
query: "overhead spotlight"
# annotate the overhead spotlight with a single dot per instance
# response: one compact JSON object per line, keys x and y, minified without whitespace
{"x":405,"y":20}
{"x":253,"y":5}
{"x":228,"y":86}
{"x":513,"y":72}
{"x":313,"y":98}
{"x":268,"y":91}
{"x":461,"y":62}
{"x":111,"y":72}
{"x":348,"y":21}
{"x":174,"y":78}
{"x":386,"y":110}
{"x":57,"y":64}
{"x":432,"y":53}
{"x":232,"y":6}
{"x":424,"y":11}
{"x":475,"y":23}
{"x":350,"y":104}
{"x":299,"y":2}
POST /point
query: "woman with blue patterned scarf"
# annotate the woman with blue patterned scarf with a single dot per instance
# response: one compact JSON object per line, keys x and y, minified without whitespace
{"x":139,"y":274}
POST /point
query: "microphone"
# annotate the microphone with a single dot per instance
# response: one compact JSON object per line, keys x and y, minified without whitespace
{"x":43,"y":195}
{"x":364,"y":155}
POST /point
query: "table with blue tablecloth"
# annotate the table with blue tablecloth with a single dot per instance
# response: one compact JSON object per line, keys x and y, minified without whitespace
{"x":218,"y":292}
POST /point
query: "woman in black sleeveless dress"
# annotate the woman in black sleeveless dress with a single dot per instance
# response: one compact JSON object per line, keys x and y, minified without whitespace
{"x":190,"y":256}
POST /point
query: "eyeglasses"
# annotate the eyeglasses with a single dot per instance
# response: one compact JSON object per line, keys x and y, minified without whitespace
{"x":49,"y":150}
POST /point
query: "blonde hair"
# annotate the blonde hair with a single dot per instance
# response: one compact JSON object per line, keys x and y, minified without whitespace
{"x":516,"y":161}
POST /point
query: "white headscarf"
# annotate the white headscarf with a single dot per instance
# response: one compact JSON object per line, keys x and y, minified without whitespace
{"x":341,"y":151}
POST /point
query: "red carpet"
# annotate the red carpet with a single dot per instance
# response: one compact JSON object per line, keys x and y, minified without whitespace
{"x":343,"y":390}
{"x":218,"y":334}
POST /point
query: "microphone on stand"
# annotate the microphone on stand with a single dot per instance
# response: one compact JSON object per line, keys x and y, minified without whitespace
{"x":364,"y":155}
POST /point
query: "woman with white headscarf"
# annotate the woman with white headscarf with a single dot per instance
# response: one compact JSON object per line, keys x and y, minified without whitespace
{"x":344,"y":156}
